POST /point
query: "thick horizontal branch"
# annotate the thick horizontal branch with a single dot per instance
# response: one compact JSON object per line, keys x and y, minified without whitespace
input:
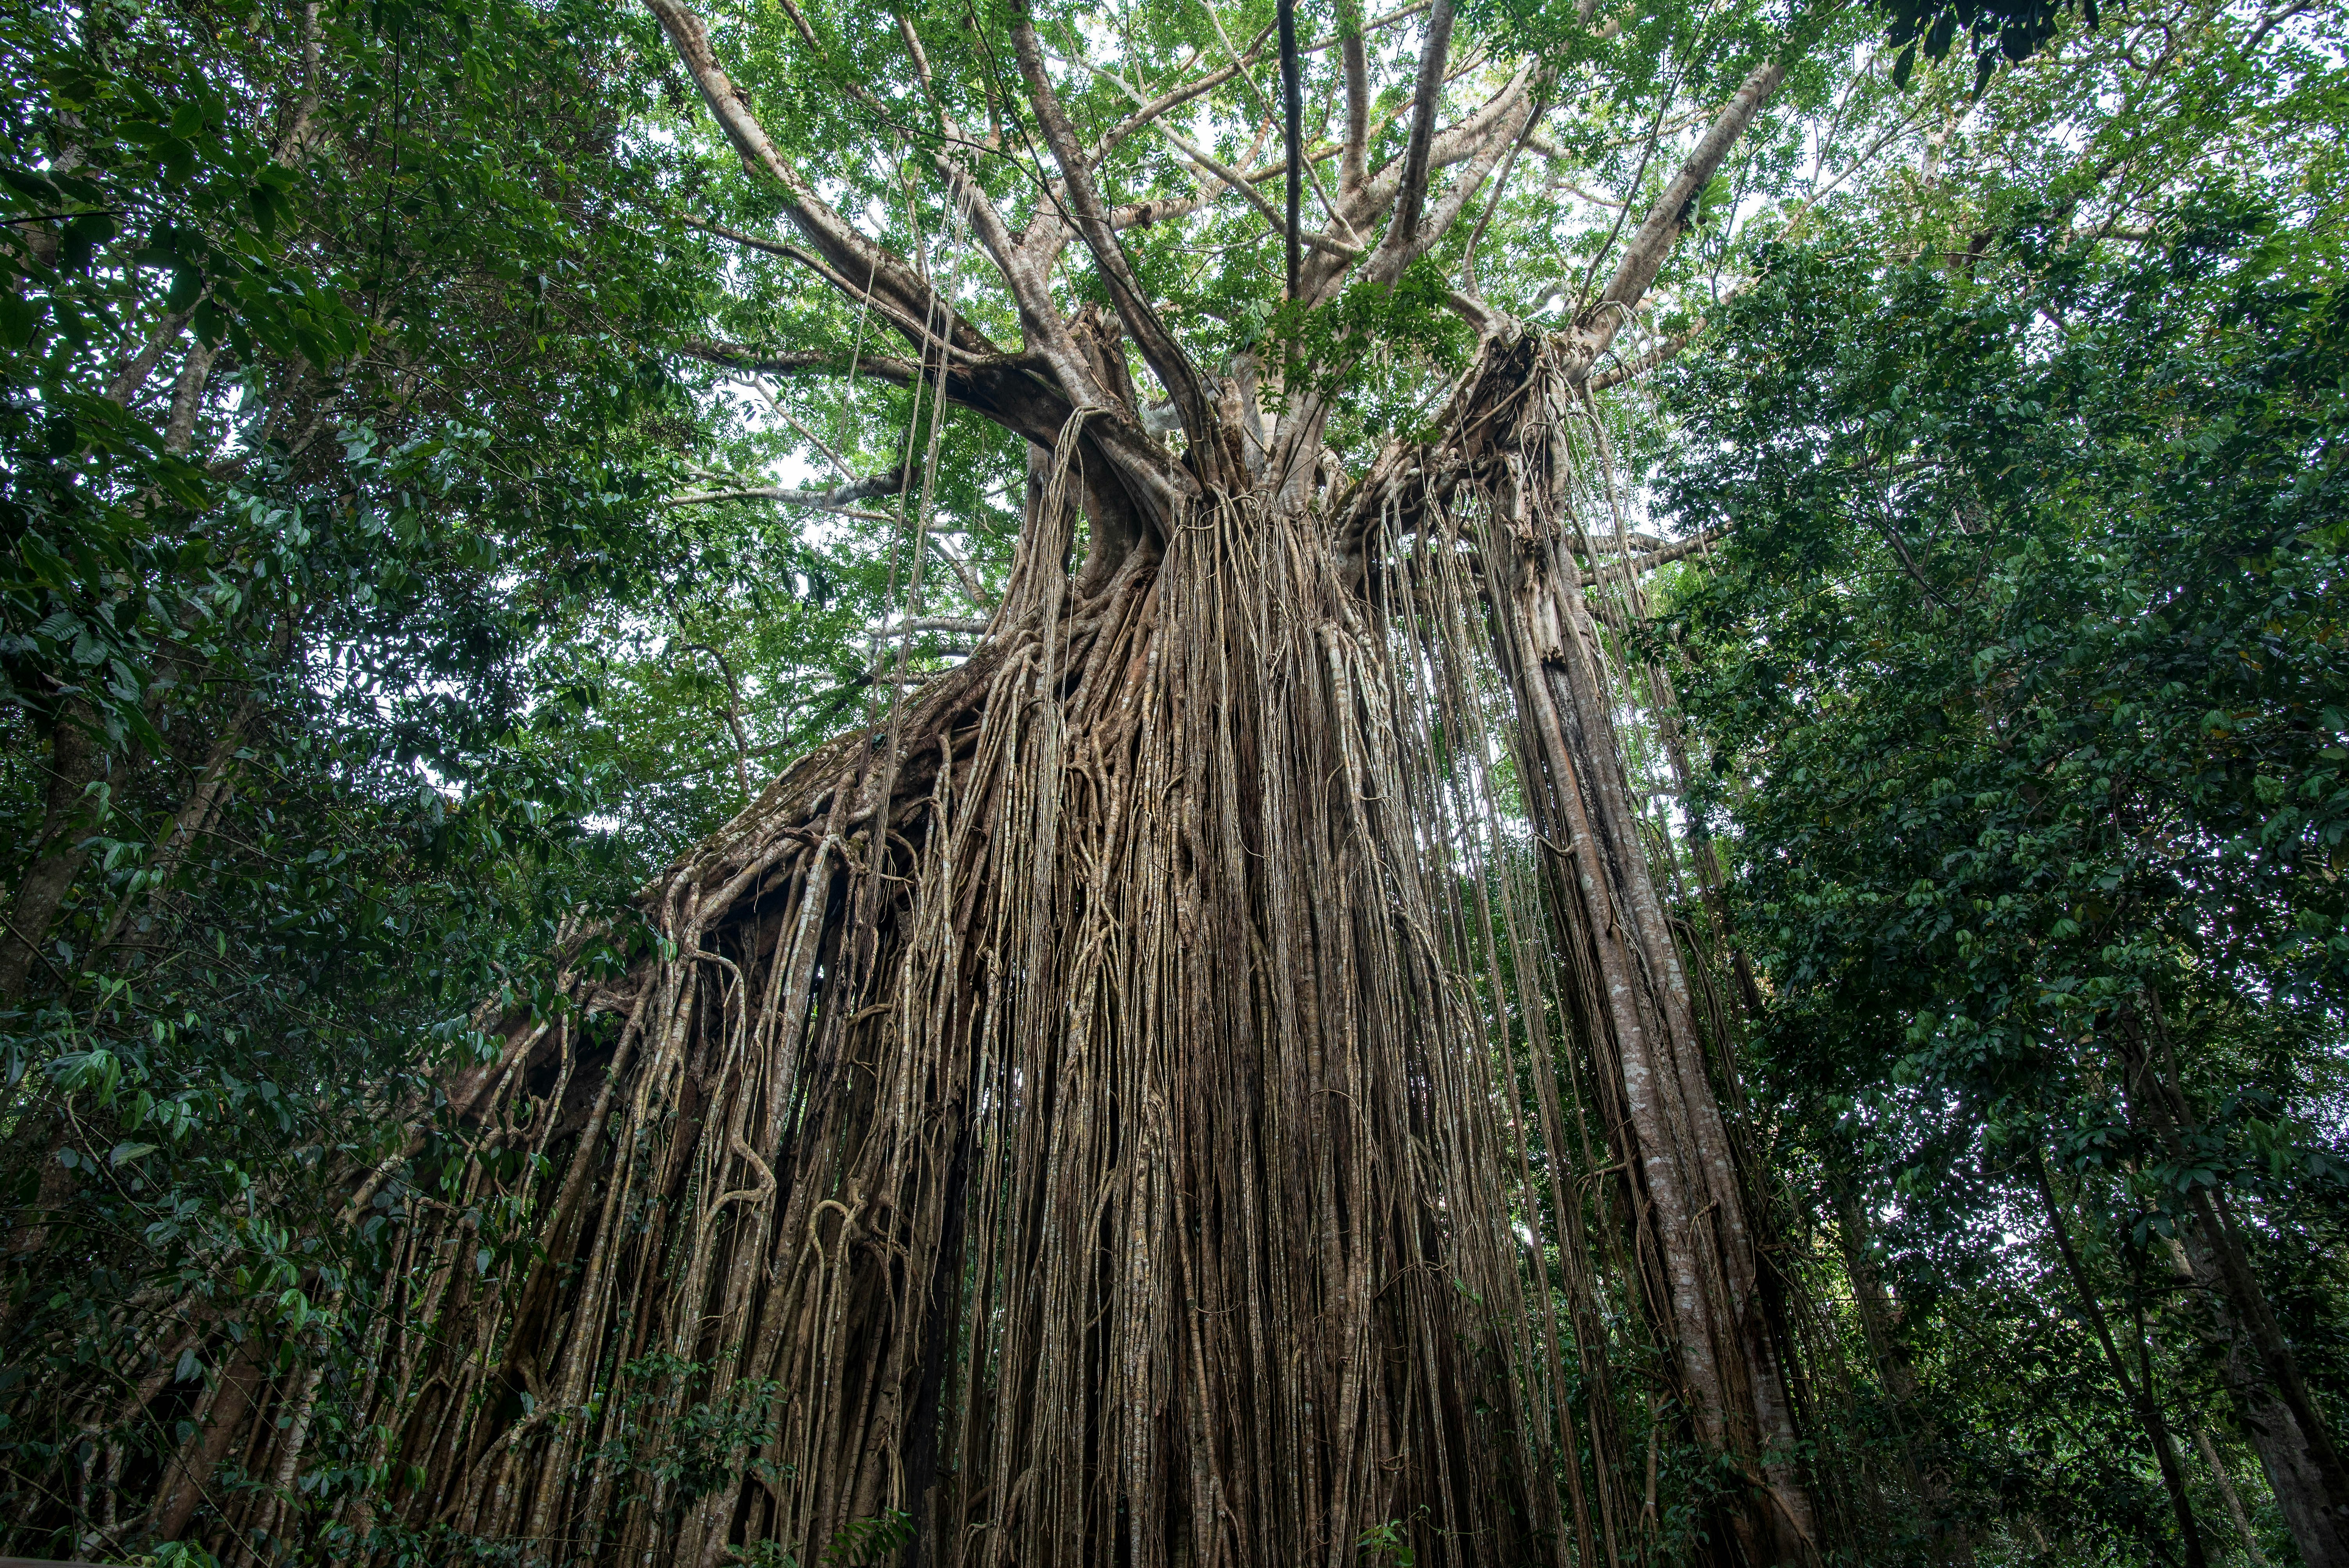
{"x":839,"y":498}
{"x":1680,"y":549}
{"x":961,"y":626}
{"x":804,"y":362}
{"x":851,"y":261}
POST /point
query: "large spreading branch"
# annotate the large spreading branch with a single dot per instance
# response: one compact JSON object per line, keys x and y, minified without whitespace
{"x":1354,"y":62}
{"x":1644,"y":256}
{"x":854,"y":262}
{"x":1394,"y":251}
{"x":1486,"y":130}
{"x":1292,"y":139}
{"x":1090,"y":216}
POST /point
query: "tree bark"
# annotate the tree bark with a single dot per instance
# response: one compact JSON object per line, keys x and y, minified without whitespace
{"x":77,"y":761}
{"x":1666,"y":1121}
{"x":2139,"y":1394}
{"x":2276,"y":1410}
{"x":1880,"y":1325}
{"x":2242,"y":1520}
{"x":2293,"y":1464}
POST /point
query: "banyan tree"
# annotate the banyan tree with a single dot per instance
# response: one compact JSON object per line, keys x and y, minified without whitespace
{"x":1222,"y":1073}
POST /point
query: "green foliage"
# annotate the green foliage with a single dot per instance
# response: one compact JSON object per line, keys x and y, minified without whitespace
{"x":711,"y":1445}
{"x":2024,"y":682}
{"x":1388,"y":1545}
{"x":332,"y":445}
{"x":340,"y":415}
{"x":761,"y":1554}
{"x":866,"y":1541}
{"x":2014,"y":29}
{"x":1384,"y":346}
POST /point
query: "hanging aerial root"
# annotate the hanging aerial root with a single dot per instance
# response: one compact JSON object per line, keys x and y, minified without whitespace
{"x":1206,"y":1081}
{"x":1061,"y":1127}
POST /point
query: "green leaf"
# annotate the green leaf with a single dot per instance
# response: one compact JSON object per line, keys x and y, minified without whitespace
{"x":18,"y":317}
{"x":80,"y":239}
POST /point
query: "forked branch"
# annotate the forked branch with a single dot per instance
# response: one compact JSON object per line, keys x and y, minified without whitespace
{"x":854,"y":262}
{"x":1394,"y":251}
{"x":1092,"y":219}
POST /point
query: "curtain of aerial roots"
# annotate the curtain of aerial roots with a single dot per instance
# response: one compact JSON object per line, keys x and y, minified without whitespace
{"x":1122,"y":1108}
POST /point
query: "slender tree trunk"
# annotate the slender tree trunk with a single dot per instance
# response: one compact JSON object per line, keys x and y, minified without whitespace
{"x":2273,"y":1405}
{"x":220,"y":1424}
{"x":1668,"y":1127}
{"x":1880,"y":1325}
{"x":2139,"y":1394}
{"x":2242,"y":1520}
{"x":2293,"y":1464}
{"x":194,"y":818}
{"x":75,"y":763}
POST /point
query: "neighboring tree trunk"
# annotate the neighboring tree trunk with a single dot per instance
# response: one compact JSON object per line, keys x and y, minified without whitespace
{"x":2243,"y":1520}
{"x":2138,"y":1391}
{"x":2277,"y":1412}
{"x":220,"y":1423}
{"x":77,"y":761}
{"x":2296,"y":1462}
{"x":1880,"y":1325}
{"x":194,"y":818}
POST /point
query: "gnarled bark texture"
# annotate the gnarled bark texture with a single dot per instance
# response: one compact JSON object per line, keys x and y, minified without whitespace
{"x":1137,"y":1102}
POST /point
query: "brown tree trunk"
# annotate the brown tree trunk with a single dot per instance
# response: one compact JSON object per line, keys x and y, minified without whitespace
{"x":1666,"y":1120}
{"x":1879,"y":1317}
{"x":2137,"y":1390}
{"x":75,"y":763}
{"x":2277,"y":1412}
{"x":220,"y":1426}
{"x":2295,"y":1464}
{"x":2227,"y":1493}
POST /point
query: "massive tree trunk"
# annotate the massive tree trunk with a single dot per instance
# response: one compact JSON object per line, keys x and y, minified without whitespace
{"x":1125,"y":1106}
{"x":1076,"y":1115}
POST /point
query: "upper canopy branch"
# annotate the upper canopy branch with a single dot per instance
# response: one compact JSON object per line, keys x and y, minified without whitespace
{"x":1174,"y":98}
{"x":847,"y":252}
{"x":1486,"y":131}
{"x":1394,"y":251}
{"x":1067,"y":364}
{"x":839,"y":498}
{"x":1091,"y":218}
{"x":1216,"y":172}
{"x":1644,"y":256}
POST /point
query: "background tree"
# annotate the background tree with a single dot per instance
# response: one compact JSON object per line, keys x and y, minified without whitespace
{"x":2020,"y":679}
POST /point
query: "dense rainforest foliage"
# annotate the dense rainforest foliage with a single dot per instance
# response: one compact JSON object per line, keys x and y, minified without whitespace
{"x":435,"y":502}
{"x":2021,"y":684}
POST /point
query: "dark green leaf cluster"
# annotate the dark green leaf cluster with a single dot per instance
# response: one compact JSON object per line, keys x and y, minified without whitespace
{"x":2024,"y":688}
